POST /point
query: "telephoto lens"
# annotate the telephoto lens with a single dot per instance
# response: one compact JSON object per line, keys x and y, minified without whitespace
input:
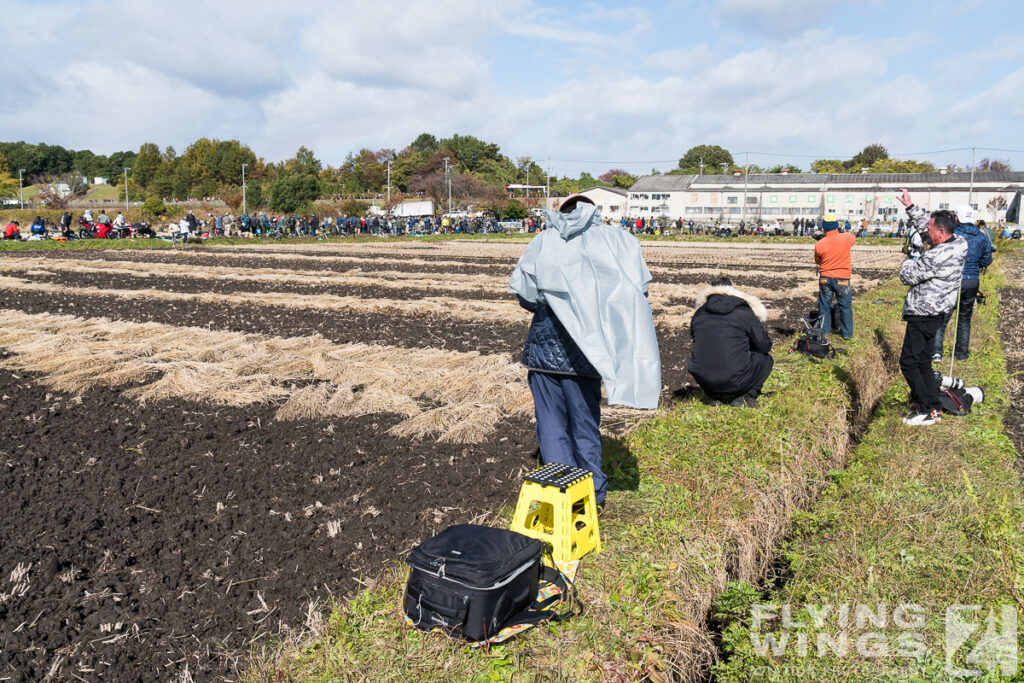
{"x":947,"y":382}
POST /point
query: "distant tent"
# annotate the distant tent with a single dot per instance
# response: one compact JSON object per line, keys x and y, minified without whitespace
{"x":1013,"y":213}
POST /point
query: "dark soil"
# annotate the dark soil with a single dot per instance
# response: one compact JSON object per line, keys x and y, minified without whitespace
{"x":175,"y":520}
{"x":1011,"y":317}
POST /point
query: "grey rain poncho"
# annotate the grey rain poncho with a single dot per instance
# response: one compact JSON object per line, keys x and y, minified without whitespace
{"x":594,"y":279}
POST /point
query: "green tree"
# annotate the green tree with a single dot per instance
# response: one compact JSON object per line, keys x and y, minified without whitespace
{"x":713,"y":157}
{"x":304,"y":163}
{"x":867,"y":157}
{"x":8,"y":183}
{"x":153,"y":206}
{"x":293,"y":192}
{"x":514,"y":210}
{"x":147,"y":163}
{"x":254,"y":198}
{"x":828,"y":166}
{"x":901,"y":166}
{"x":425,"y":143}
{"x":784,"y":168}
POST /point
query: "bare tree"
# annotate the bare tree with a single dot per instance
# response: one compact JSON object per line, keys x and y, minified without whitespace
{"x":58,"y":191}
{"x":996,"y":204}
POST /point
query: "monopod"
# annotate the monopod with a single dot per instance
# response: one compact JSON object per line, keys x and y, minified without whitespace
{"x":956,"y":325}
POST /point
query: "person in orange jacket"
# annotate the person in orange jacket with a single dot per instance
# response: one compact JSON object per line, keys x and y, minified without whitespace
{"x":832,"y":255}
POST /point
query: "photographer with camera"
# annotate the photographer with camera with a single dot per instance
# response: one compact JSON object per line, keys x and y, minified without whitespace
{"x":934,"y":280}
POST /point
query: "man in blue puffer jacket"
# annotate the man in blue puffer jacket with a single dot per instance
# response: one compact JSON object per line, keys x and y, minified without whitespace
{"x":586,"y":284}
{"x":979,"y":255}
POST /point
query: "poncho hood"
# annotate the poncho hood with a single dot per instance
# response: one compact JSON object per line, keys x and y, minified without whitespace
{"x":571,"y":224}
{"x":723,"y":300}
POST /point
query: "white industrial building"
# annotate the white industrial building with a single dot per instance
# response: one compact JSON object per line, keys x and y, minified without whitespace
{"x":769,"y":197}
{"x":610,"y":201}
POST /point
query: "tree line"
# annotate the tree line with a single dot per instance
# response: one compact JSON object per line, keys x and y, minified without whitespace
{"x":475,"y":171}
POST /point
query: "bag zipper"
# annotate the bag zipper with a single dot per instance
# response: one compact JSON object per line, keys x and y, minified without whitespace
{"x":441,"y":575}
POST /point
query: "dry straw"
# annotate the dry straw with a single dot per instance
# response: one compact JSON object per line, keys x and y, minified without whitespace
{"x":452,"y":396}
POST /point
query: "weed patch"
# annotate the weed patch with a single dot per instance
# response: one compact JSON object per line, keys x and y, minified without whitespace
{"x":929,"y":518}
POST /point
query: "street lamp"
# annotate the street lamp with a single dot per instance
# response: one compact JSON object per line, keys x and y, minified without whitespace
{"x":126,"y":169}
{"x":243,"y":188}
{"x":21,"y":189}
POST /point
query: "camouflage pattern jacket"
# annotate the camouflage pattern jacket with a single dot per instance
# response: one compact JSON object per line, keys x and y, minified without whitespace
{"x":934,"y":278}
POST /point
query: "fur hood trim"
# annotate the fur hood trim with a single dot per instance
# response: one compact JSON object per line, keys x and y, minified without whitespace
{"x":755,"y":304}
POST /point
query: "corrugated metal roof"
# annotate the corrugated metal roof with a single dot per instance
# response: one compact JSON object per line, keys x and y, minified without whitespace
{"x":663,"y":183}
{"x":677,"y":183}
{"x":616,"y":190}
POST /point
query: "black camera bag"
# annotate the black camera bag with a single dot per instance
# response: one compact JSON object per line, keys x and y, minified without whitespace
{"x":471,"y":581}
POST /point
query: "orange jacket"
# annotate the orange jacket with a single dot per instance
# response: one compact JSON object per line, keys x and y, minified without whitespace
{"x":832,"y":254}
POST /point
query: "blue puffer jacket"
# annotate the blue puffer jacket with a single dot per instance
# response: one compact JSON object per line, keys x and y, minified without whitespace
{"x":549,"y":348}
{"x":979,"y":250}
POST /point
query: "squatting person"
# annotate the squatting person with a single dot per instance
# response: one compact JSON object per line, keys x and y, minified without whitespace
{"x":934,"y":281}
{"x":731,"y":351}
{"x":979,"y":255}
{"x":832,"y":256}
{"x":586,"y":284}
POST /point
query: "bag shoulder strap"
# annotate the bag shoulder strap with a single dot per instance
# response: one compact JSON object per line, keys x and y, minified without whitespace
{"x":536,"y":613}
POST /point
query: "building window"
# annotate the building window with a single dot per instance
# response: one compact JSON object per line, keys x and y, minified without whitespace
{"x":943,"y":206}
{"x":849,"y":199}
{"x":693,"y":198}
{"x":732,"y":200}
{"x":974,"y":206}
{"x":734,"y":209}
{"x":830,"y":198}
{"x":774,"y":199}
{"x":613,"y":209}
{"x":812,"y":198}
{"x":792,"y":199}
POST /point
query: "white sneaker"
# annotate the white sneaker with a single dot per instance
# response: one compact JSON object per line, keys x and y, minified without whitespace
{"x":922,"y":419}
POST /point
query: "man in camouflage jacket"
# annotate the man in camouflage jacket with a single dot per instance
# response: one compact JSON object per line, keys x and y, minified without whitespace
{"x":934,"y":280}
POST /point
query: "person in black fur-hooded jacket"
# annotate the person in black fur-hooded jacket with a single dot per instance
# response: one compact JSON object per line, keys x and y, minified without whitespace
{"x":731,"y":349}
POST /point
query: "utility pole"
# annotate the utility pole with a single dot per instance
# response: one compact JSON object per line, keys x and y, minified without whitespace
{"x":547,"y":190}
{"x":243,"y":188}
{"x":21,"y":188}
{"x":527,"y":183}
{"x":746,"y":175}
{"x":702,"y":165}
{"x":970,"y":192}
{"x":126,"y":169}
{"x":389,"y":184}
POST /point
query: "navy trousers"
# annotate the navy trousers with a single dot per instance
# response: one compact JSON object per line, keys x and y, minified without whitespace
{"x":568,"y":410}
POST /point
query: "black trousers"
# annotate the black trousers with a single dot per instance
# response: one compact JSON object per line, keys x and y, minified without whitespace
{"x":916,"y":360}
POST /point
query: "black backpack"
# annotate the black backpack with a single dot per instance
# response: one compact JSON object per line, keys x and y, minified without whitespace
{"x":472,"y":581}
{"x":955,"y":401}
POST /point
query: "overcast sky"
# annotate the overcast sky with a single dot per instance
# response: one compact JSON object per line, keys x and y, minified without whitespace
{"x":591,"y":85}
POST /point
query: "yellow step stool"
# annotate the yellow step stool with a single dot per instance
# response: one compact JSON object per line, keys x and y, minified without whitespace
{"x":557,"y":506}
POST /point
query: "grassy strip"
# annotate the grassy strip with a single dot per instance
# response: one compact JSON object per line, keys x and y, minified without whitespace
{"x":931,"y":517}
{"x":700,"y":496}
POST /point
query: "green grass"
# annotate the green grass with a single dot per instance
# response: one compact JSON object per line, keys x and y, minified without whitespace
{"x":699,"y":497}
{"x":930,"y":516}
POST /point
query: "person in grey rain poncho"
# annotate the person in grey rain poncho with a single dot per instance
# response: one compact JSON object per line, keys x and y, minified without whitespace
{"x":586,"y":284}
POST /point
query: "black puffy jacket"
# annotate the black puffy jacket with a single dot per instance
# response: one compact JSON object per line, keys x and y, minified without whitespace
{"x":549,"y":348}
{"x":730,"y":343}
